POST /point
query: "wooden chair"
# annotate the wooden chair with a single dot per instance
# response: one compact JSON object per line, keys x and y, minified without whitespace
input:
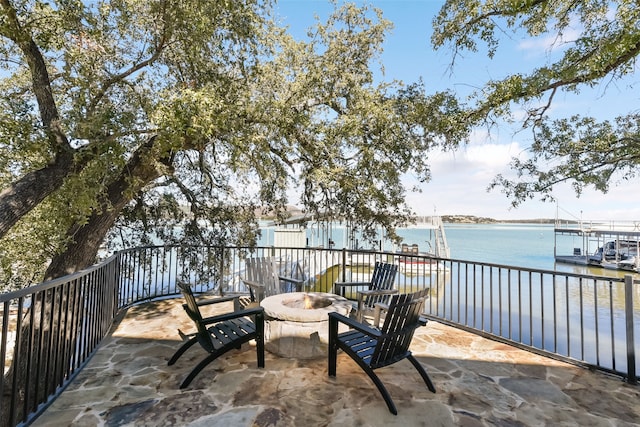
{"x":373,"y":348}
{"x":262,"y":276}
{"x":380,"y":288}
{"x":219,"y":334}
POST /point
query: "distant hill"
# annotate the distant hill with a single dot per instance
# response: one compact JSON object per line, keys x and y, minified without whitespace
{"x":470,"y":219}
{"x":456,"y":219}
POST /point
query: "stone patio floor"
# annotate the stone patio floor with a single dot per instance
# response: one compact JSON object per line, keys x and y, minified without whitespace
{"x":479,"y":382}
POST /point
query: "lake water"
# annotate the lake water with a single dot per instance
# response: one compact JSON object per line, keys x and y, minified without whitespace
{"x":522,"y":245}
{"x":518,"y":245}
{"x":526,"y":245}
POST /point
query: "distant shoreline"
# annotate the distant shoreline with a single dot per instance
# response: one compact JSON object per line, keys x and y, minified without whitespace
{"x":471,"y":219}
{"x":452,"y":219}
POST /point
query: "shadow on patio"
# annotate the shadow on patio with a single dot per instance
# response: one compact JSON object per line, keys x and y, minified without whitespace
{"x":479,"y":383}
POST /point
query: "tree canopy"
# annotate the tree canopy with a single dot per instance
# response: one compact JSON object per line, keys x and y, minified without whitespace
{"x":123,"y":119}
{"x":596,"y":41}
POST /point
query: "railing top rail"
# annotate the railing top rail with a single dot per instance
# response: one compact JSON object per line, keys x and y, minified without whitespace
{"x":366,"y":251}
{"x":20,"y":293}
{"x":177,"y":245}
{"x":538,"y":270}
{"x":52,"y":283}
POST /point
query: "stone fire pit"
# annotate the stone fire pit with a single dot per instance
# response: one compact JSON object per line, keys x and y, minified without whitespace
{"x":297,"y":324}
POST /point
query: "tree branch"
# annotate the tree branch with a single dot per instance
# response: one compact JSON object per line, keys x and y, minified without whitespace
{"x":40,"y":78}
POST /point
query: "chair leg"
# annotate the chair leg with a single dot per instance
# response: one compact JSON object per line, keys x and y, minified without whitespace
{"x":332,"y":347}
{"x":199,"y":367}
{"x":260,"y":352}
{"x":359,"y":313}
{"x":422,"y":372}
{"x":183,"y":348}
{"x":218,"y":353}
{"x":382,"y":389}
{"x":260,"y":339}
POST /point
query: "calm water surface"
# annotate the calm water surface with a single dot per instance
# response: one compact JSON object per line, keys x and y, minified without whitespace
{"x":519,"y":245}
{"x":523,"y":245}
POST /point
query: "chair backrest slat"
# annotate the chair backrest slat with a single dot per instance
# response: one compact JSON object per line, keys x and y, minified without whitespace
{"x":263,"y":270}
{"x":400,"y":323}
{"x":383,"y":277}
{"x":193,"y":311}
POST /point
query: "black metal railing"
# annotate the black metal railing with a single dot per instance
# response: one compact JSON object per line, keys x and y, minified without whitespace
{"x":578,"y":318}
{"x":51,"y":330}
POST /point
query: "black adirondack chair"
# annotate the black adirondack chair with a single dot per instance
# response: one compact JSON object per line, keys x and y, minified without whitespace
{"x":373,"y":348}
{"x":221,"y":333}
{"x":380,"y":288}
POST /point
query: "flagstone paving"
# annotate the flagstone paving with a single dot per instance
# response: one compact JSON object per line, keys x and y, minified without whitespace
{"x":479,"y":382}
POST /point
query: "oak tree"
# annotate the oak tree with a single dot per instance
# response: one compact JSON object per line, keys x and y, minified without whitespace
{"x":172,"y":121}
{"x":597,"y":41}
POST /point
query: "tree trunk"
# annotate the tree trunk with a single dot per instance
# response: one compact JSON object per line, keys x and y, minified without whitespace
{"x":26,"y":193}
{"x":87,"y":238}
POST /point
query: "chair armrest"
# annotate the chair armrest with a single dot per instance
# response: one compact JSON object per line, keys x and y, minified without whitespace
{"x":234,"y":315}
{"x":344,"y":284}
{"x":365,"y":329}
{"x":379,"y":292}
{"x":292,"y":280}
{"x":298,"y":283}
{"x":423,"y":321}
{"x":338,"y":287}
{"x":381,"y":306}
{"x":373,"y":292}
{"x":378,"y":308}
{"x":252,"y":284}
{"x":216,"y":300}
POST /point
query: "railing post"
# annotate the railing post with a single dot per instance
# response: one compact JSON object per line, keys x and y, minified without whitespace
{"x":221,"y":257}
{"x":117,"y":285}
{"x":344,"y":264}
{"x":628,"y":310}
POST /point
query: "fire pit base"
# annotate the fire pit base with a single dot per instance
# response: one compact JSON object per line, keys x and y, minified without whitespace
{"x":293,"y":331}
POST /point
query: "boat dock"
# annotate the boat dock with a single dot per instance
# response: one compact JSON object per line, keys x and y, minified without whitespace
{"x":605,"y":244}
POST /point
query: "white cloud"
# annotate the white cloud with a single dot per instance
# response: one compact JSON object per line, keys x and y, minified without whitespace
{"x":543,"y":45}
{"x":477,"y":159}
{"x":460,"y":181}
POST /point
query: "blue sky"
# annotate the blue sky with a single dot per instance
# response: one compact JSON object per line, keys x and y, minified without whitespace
{"x":459,"y":179}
